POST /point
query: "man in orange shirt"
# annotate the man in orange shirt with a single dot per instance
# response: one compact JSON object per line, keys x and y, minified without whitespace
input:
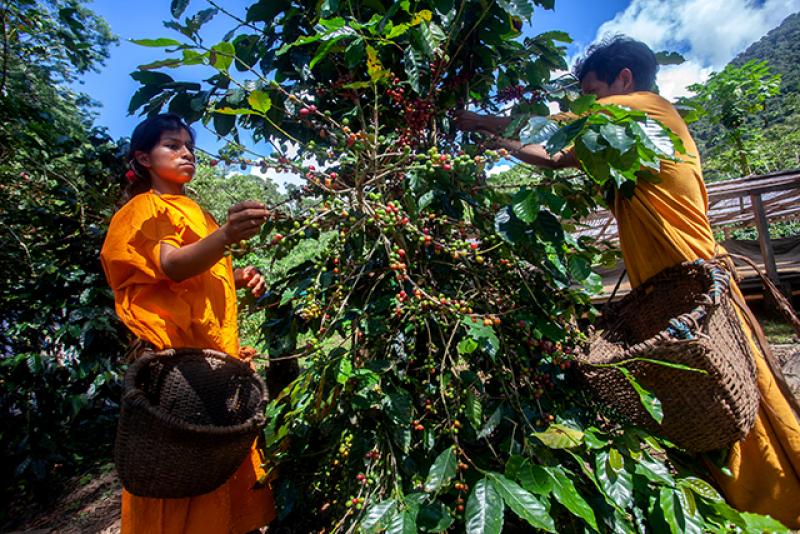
{"x":664,"y":224}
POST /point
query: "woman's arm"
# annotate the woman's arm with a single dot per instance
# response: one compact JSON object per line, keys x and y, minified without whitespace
{"x":244,"y":221}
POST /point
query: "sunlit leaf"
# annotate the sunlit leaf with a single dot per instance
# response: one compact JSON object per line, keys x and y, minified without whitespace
{"x":412,"y":62}
{"x":559,"y":436}
{"x":538,"y":131}
{"x":522,"y":503}
{"x":442,"y":471}
{"x":484,"y":512}
{"x":649,"y":401}
{"x":156,"y":43}
{"x":221,"y":56}
{"x":259,"y":101}
{"x":526,"y":205}
{"x":519,"y":8}
{"x":378,"y":515}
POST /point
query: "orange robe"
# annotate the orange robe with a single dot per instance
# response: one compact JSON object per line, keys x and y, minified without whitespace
{"x":198,"y":312}
{"x":664,"y":224}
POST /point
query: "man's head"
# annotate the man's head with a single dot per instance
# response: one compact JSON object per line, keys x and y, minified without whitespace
{"x":617,"y":66}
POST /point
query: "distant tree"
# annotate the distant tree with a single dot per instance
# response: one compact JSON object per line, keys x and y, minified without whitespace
{"x":216,"y":190}
{"x":729,"y":98}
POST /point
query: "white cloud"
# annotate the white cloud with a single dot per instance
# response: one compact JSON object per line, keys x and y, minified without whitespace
{"x":709,"y":33}
{"x":673,"y":80}
{"x":280,"y":178}
{"x":291,"y":151}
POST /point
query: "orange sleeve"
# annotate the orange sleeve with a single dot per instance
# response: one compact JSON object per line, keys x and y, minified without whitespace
{"x":131,"y":253}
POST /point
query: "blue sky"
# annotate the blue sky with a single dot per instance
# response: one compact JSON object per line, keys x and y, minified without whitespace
{"x":709,"y":33}
{"x":113,"y":87}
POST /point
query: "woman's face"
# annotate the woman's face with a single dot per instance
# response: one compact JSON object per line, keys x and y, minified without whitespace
{"x":172,"y":159}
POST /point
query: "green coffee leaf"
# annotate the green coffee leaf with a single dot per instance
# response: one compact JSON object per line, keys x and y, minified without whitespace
{"x":402,"y":522}
{"x":156,"y":43}
{"x":474,"y":410}
{"x":412,"y":62}
{"x":538,"y":131}
{"x":567,"y":494}
{"x":526,"y":205}
{"x":260,"y":101}
{"x":484,"y":512}
{"x":177,"y":7}
{"x":559,"y":436}
{"x":535,"y":478}
{"x":442,"y":471}
{"x":522,"y":502}
{"x":378,"y":515}
{"x":649,"y":401}
{"x":517,"y":8}
{"x":221,"y":56}
{"x":667,"y":502}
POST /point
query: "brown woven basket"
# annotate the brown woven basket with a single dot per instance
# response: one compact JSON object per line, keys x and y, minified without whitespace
{"x":189,"y":418}
{"x":683,"y":315}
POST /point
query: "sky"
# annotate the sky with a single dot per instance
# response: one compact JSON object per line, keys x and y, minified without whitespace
{"x":708,"y":33}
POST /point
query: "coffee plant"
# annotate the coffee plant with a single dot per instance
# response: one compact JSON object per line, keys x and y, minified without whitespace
{"x":437,"y":320}
{"x":60,"y":342}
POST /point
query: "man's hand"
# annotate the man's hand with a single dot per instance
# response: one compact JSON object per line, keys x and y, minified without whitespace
{"x":250,"y":278}
{"x":469,"y":121}
{"x":244,"y":221}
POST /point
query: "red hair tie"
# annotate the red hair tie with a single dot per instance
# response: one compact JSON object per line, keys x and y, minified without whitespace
{"x":130,"y":175}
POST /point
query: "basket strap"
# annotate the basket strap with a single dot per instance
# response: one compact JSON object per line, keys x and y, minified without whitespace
{"x":616,"y":287}
{"x":769,"y":356}
{"x":784,"y":305}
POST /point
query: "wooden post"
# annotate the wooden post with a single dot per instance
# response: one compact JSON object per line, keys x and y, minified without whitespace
{"x":763,"y":238}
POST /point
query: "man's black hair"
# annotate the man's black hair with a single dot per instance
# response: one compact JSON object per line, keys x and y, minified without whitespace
{"x":608,"y":57}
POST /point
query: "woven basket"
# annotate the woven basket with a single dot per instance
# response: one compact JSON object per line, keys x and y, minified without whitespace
{"x":683,"y":315}
{"x":189,"y":418}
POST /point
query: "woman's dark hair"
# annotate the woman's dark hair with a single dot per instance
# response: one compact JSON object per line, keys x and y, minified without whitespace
{"x":608,"y":57}
{"x":145,"y":137}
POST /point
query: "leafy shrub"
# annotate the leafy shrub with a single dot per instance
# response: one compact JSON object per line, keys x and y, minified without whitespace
{"x":60,"y":341}
{"x":437,"y":327}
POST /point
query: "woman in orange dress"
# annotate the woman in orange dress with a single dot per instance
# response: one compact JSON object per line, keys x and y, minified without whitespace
{"x":664,"y":224}
{"x":174,"y":287}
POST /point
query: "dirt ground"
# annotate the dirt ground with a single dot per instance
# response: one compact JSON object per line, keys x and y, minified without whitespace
{"x":90,"y":503}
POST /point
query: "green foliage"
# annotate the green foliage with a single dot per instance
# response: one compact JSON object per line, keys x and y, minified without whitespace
{"x":729,"y":97}
{"x":216,"y":189}
{"x":60,"y":341}
{"x":438,"y":316}
{"x":771,"y":136}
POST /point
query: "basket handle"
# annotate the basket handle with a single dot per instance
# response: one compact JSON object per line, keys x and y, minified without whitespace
{"x":784,"y":305}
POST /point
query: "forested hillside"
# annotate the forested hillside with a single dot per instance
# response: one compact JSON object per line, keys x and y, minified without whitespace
{"x":773,"y":142}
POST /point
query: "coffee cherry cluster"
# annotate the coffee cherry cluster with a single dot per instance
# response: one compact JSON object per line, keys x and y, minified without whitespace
{"x":511,"y":93}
